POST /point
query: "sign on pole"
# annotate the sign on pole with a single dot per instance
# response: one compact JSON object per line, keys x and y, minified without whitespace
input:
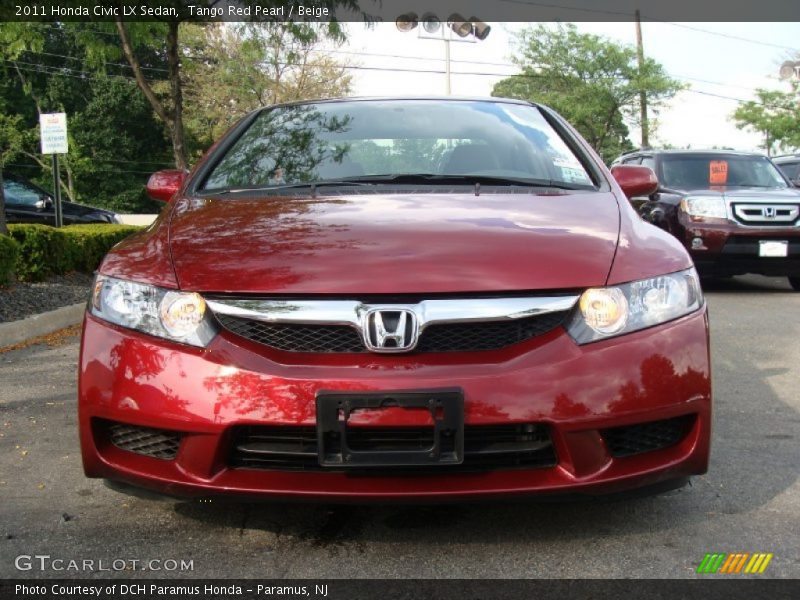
{"x":54,"y":133}
{"x":53,"y":130}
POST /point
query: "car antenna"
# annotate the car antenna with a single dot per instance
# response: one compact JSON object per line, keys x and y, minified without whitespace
{"x":477,"y":188}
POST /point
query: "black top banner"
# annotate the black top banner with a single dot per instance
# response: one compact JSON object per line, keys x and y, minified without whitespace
{"x":390,"y":10}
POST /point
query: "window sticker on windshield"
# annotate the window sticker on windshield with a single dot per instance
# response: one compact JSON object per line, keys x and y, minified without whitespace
{"x":718,"y":172}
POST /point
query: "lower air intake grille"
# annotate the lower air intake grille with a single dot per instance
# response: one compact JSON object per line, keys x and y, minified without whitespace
{"x":155,"y":443}
{"x":486,"y":447}
{"x":645,"y":437}
{"x":445,"y":337}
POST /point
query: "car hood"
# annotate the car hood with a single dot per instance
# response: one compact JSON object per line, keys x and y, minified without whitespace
{"x":752,"y":194}
{"x":395,"y":243}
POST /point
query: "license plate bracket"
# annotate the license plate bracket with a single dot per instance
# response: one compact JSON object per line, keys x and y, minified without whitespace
{"x":772,"y":248}
{"x":446,"y":406}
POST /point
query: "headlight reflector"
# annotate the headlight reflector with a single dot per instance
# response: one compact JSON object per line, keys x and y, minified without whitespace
{"x":177,"y":316}
{"x":616,"y":310}
{"x":704,"y":206}
{"x":604,"y":309}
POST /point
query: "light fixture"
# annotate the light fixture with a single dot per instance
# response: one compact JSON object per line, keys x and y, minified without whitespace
{"x":406,"y":22}
{"x":479,"y":29}
{"x":431,"y":23}
{"x":459,"y":25}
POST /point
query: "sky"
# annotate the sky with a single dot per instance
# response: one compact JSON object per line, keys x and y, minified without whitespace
{"x":714,"y":62}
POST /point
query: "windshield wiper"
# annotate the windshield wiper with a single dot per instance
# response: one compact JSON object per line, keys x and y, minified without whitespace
{"x":288,"y":186}
{"x":433,"y":178}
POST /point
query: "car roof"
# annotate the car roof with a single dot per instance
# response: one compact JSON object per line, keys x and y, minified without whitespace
{"x":489,"y":99}
{"x":785,"y":158}
{"x":690,"y":151}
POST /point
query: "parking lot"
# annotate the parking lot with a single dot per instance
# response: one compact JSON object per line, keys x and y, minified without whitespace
{"x":748,"y":502}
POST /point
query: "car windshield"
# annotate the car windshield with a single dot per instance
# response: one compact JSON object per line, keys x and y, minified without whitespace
{"x":17,"y":192}
{"x":700,"y":172}
{"x":507,"y":142}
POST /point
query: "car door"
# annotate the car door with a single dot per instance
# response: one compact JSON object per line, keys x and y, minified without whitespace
{"x":26,"y":203}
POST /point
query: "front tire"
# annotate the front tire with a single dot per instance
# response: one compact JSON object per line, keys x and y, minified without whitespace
{"x":795,"y":283}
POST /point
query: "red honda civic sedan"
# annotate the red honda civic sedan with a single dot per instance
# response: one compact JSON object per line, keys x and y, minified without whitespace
{"x":397,"y":299}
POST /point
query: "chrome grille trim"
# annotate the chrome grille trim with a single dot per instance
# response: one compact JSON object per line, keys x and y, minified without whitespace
{"x":763,"y":213}
{"x":354,"y":313}
{"x":428,"y":312}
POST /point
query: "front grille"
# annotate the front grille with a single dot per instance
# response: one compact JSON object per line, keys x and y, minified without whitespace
{"x":446,"y":337}
{"x":766,"y":215}
{"x":646,"y":437}
{"x":486,"y":447}
{"x":490,"y":335}
{"x":155,"y":443}
{"x":296,"y":338}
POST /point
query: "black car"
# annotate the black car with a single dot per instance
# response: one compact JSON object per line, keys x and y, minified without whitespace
{"x":790,"y":165}
{"x":28,"y":203}
{"x":735,"y":212}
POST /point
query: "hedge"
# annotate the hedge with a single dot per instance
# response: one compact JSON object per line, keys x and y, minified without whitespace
{"x":45,"y":250}
{"x":9,"y":251}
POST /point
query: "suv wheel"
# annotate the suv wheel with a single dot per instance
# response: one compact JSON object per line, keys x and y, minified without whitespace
{"x":795,"y":283}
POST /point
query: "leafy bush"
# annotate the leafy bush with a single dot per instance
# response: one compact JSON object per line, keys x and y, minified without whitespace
{"x":9,"y":250}
{"x":45,"y":250}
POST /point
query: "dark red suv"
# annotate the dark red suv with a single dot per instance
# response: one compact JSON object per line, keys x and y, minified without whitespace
{"x":397,"y":299}
{"x":735,"y":212}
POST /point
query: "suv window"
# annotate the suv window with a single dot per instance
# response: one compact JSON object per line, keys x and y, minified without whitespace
{"x":706,"y":171}
{"x":791,"y":170}
{"x":649,"y":161}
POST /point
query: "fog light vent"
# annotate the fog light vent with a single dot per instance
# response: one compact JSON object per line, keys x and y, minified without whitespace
{"x":155,"y":443}
{"x":646,"y":437}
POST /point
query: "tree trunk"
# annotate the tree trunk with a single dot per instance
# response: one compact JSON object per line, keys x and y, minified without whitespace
{"x":174,"y":121}
{"x":3,"y":227}
{"x":173,"y":63}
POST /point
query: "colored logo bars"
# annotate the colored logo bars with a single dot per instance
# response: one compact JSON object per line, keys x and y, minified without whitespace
{"x":742,"y":562}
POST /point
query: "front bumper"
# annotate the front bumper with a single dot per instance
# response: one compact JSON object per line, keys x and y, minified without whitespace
{"x":726,"y":249}
{"x":577,"y":392}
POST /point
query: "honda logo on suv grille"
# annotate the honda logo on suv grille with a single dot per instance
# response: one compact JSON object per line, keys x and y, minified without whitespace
{"x":390,"y":329}
{"x":769,"y":212}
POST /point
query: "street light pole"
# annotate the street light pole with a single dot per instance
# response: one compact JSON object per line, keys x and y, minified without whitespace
{"x":447,"y":64}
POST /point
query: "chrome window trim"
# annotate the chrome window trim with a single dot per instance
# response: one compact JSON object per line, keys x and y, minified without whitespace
{"x":353,"y":313}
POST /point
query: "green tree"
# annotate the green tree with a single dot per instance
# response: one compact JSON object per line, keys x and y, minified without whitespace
{"x":137,"y":39}
{"x":10,"y":146}
{"x":775,"y":115}
{"x":233,"y":69}
{"x":592,"y":81}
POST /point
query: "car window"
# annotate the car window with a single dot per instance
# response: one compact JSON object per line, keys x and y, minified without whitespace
{"x":17,"y":192}
{"x":330,"y":141}
{"x":790,"y":169}
{"x":704,"y":171}
{"x":649,"y":161}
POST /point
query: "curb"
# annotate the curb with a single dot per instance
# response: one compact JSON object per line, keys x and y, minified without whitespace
{"x":41,"y":324}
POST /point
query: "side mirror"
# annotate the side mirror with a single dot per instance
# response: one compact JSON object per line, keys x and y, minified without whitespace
{"x":45,"y":203}
{"x":635,"y":180}
{"x":163,"y":185}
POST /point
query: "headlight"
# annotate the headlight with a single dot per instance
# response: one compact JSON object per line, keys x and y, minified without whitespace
{"x":177,"y":316}
{"x":606,"y":312}
{"x":704,"y":206}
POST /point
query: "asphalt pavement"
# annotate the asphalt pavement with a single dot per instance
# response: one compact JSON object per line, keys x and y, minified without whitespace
{"x":748,"y":501}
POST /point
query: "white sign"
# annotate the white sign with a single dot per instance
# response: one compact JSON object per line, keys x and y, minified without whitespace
{"x":53,"y":127}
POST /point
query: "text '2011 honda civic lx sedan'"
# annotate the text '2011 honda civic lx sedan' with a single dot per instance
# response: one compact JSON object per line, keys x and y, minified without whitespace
{"x":397,"y":299}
